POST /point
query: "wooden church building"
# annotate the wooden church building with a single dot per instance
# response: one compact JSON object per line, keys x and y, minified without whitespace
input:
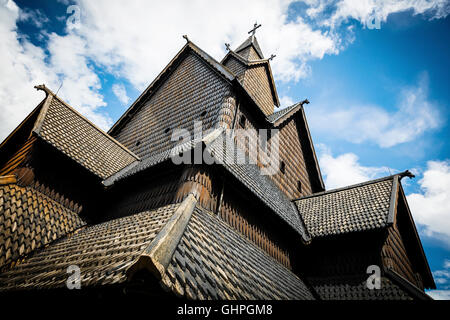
{"x":118,"y":207}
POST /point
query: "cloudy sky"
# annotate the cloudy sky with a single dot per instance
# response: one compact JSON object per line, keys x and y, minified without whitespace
{"x":376,"y":73}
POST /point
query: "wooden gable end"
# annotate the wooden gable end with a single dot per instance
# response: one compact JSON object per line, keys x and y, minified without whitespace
{"x":295,"y":179}
{"x":402,"y":251}
{"x":16,"y":148}
{"x":301,"y":176}
{"x":256,"y":82}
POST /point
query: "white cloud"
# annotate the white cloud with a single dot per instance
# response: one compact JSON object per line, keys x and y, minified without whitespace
{"x":439,"y":294}
{"x":431,"y":207}
{"x":413,"y":115}
{"x":23,"y":65}
{"x":345,"y":169}
{"x":366,"y":10}
{"x":37,"y":17}
{"x":139,"y":50}
{"x":120,"y":92}
{"x":442,"y":279}
{"x":135,"y":41}
{"x":286,"y":101}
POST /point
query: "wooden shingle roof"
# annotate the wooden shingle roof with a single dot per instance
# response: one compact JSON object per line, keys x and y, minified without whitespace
{"x":103,"y":252}
{"x":356,"y":208}
{"x":194,"y":253}
{"x":212,"y":261}
{"x":75,"y":136}
{"x":355,"y":288}
{"x":259,"y":184}
{"x":246,"y":173}
{"x":251,"y":41}
{"x":29,"y":219}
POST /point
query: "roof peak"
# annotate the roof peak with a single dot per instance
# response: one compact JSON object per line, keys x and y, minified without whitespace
{"x":253,"y":42}
{"x":401,"y":175}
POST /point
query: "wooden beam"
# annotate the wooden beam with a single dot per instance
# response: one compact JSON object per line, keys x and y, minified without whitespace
{"x":4,"y":180}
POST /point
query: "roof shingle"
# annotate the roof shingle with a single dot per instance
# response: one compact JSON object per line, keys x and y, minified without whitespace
{"x":356,"y":208}
{"x":102,"y":252}
{"x":212,"y":261}
{"x":72,"y":134}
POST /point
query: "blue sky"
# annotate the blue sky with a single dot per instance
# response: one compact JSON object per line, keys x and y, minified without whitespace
{"x":379,"y":97}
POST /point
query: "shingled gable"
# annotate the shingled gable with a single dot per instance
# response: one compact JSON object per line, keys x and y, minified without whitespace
{"x":59,"y":125}
{"x":174,"y":244}
{"x":279,"y":118}
{"x":368,"y":206}
{"x":252,"y":63}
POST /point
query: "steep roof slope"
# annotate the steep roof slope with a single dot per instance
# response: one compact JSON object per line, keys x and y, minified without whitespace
{"x":79,"y":139}
{"x":194,"y":253}
{"x":356,"y":208}
{"x":29,"y":219}
{"x":61,"y":126}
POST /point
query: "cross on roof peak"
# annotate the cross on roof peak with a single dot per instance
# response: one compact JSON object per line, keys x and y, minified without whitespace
{"x":255,"y":26}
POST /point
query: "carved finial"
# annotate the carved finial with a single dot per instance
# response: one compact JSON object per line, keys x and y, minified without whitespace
{"x":272,"y":56}
{"x":255,"y":26}
{"x":43,"y":88}
{"x":185,"y":37}
{"x":406,"y":173}
{"x":306,"y":101}
{"x":40,"y":87}
{"x":228,"y":46}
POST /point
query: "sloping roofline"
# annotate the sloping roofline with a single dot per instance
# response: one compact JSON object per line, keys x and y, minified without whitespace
{"x":41,"y":117}
{"x":401,"y":174}
{"x":429,"y":281}
{"x":396,"y":193}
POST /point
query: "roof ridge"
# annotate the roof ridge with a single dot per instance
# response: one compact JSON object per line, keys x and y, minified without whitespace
{"x":220,"y":154}
{"x":361,"y":184}
{"x":274,"y":117}
{"x":156,"y":257}
{"x":162,"y":156}
{"x":69,"y":107}
{"x":205,"y":58}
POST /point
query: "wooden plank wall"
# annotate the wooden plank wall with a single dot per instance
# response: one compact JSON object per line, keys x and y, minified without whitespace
{"x":233,"y":208}
{"x":291,"y":153}
{"x":395,"y":256}
{"x":19,"y":158}
{"x":243,"y":217}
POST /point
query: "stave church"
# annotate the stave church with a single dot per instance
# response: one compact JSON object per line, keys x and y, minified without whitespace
{"x":83,"y":211}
